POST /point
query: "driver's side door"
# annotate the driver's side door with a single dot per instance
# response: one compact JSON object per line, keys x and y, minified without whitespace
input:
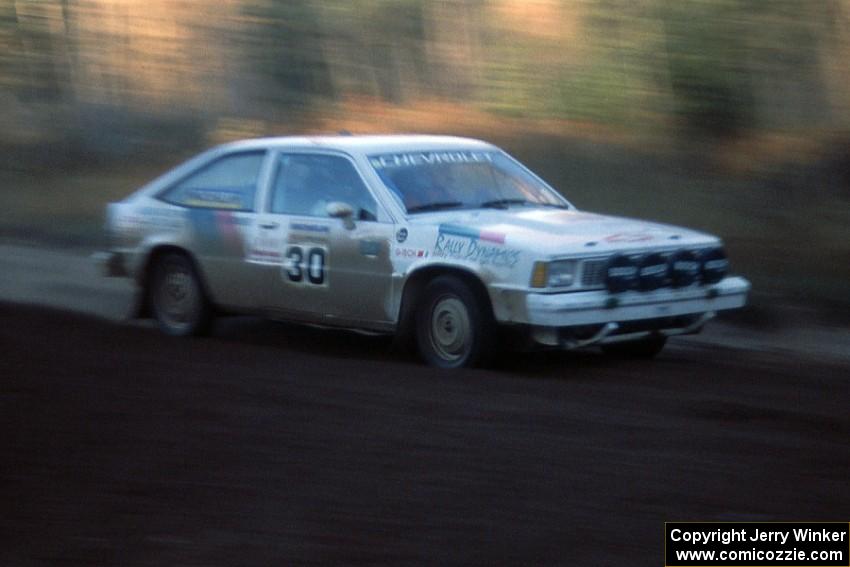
{"x":314,"y":267}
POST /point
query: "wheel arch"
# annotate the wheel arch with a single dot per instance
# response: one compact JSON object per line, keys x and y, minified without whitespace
{"x":415,"y":283}
{"x":145,"y":271}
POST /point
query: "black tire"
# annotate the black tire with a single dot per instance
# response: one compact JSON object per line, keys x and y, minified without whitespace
{"x":176,"y":296}
{"x":454,"y":326}
{"x":643,"y":348}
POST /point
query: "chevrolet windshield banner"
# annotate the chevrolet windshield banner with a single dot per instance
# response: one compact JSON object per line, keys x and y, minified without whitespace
{"x":758,"y":544}
{"x":386,"y":161}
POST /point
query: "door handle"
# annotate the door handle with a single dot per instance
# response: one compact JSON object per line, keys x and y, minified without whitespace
{"x":270,"y":225}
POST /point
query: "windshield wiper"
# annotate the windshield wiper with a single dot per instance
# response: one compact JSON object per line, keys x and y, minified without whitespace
{"x":438,"y":206}
{"x":503,"y":203}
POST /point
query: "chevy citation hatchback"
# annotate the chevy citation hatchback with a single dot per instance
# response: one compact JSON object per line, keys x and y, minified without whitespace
{"x":448,"y":242}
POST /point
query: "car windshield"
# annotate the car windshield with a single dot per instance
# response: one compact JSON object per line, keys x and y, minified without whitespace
{"x":443,"y":180}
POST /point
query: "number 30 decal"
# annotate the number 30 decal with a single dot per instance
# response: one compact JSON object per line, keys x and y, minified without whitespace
{"x":314,"y":267}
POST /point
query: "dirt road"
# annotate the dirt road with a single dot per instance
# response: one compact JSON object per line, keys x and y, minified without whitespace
{"x":270,"y":444}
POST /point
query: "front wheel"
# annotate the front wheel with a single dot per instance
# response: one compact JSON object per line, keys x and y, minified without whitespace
{"x":454,"y":327}
{"x":177,"y":297}
{"x":642,"y":348}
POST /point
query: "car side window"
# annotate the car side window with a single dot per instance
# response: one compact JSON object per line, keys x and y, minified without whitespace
{"x":229,"y":183}
{"x":305,"y":184}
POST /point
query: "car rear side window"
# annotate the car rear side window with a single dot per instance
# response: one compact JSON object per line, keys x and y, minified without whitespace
{"x":228,"y":183}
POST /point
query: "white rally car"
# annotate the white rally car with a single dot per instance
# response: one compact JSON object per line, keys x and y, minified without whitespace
{"x":445,"y":240}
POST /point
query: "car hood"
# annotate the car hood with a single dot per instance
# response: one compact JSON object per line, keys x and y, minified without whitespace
{"x":557,"y":231}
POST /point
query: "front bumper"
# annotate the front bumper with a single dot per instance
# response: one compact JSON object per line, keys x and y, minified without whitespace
{"x":600,"y":307}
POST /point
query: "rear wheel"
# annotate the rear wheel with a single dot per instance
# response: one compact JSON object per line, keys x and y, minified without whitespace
{"x":643,"y":348}
{"x":177,"y":298}
{"x":454,"y":327}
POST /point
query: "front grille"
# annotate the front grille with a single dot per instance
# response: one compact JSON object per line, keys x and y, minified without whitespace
{"x":593,"y":272}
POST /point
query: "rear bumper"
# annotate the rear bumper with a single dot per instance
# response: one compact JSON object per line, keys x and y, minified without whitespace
{"x":111,"y":264}
{"x":600,"y":307}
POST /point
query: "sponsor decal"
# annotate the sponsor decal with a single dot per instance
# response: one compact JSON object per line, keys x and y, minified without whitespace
{"x":217,"y":231}
{"x":263,"y":255}
{"x":161,"y":213}
{"x":309,"y":227}
{"x":149,"y":218}
{"x":629,"y":237}
{"x":411,"y":253}
{"x":214,"y":198}
{"x":472,"y":245}
{"x":401,"y":235}
{"x":472,"y":233}
{"x":130,"y":225}
{"x":388,"y":161}
{"x":266,"y":249}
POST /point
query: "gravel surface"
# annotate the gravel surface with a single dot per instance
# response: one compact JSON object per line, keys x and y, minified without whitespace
{"x":272,"y":444}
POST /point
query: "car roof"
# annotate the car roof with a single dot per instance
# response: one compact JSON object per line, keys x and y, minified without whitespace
{"x":366,"y":145}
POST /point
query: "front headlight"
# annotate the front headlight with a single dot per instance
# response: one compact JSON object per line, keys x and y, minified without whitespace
{"x":560,"y":273}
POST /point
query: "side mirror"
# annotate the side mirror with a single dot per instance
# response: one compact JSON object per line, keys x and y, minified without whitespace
{"x":343,"y":211}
